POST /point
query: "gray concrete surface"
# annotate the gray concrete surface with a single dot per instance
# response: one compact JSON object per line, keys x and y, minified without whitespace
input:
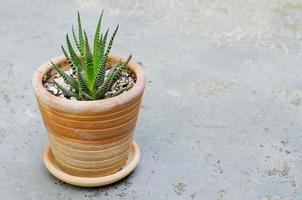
{"x":221,"y":117}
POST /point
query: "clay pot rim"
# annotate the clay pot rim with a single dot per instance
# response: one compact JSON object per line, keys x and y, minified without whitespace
{"x":95,"y":106}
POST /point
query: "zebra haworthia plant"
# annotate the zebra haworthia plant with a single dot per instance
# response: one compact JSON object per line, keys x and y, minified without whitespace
{"x":89,"y":80}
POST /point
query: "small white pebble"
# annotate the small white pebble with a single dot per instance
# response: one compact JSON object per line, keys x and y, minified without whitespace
{"x":69,"y":72}
{"x":73,"y":98}
{"x":53,"y":89}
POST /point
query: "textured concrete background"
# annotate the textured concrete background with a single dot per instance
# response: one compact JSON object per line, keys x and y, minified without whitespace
{"x":221,"y":117}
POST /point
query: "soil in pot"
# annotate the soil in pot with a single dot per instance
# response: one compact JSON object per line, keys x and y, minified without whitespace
{"x":125,"y":82}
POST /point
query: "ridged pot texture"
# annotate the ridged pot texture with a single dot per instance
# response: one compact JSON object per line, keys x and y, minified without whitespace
{"x":90,"y":138}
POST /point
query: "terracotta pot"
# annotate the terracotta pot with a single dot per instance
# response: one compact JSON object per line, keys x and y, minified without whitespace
{"x":90,"y":138}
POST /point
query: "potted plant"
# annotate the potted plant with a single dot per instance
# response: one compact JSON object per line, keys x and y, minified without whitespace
{"x":89,"y":101}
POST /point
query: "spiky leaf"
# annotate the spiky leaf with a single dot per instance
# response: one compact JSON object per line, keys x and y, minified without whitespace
{"x":101,"y":51}
{"x":112,"y":78}
{"x":82,"y":82}
{"x":65,"y":91}
{"x":100,"y":93}
{"x":125,"y":64}
{"x":67,"y":78}
{"x":81,"y":37}
{"x":101,"y":71}
{"x":68,"y":59}
{"x":87,"y":96}
{"x":128,"y":87}
{"x":105,"y":56}
{"x":73,"y":56}
{"x":89,"y":70}
{"x":76,"y":40}
{"x":96,"y":40}
{"x":111,"y":40}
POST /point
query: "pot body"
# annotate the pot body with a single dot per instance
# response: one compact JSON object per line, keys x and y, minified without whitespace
{"x":90,"y":138}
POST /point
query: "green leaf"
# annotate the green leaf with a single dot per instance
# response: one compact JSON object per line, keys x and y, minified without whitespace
{"x":125,"y":64}
{"x":103,"y":43}
{"x":96,"y":55}
{"x":99,"y":79}
{"x":108,"y":83}
{"x":120,"y":67}
{"x":66,"y":92}
{"x":88,"y":55}
{"x":101,"y":50}
{"x":81,"y":37}
{"x":101,"y":71}
{"x":105,"y":56}
{"x":67,"y":78}
{"x":76,"y":40}
{"x":100,"y":93}
{"x":90,"y":66}
{"x":112,"y":77}
{"x":82,"y":82}
{"x":128,"y":87}
{"x":87,"y":96}
{"x":68,"y":60}
{"x":96,"y":42}
{"x":73,"y":56}
{"x":113,"y":69}
{"x":111,"y":41}
{"x":89,"y":70}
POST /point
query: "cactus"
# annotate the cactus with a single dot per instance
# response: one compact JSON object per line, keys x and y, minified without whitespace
{"x":89,"y":80}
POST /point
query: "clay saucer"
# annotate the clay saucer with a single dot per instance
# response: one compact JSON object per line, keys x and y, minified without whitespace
{"x":133,"y":158}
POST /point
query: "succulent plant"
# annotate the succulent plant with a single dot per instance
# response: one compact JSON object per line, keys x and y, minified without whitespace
{"x":89,"y":80}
